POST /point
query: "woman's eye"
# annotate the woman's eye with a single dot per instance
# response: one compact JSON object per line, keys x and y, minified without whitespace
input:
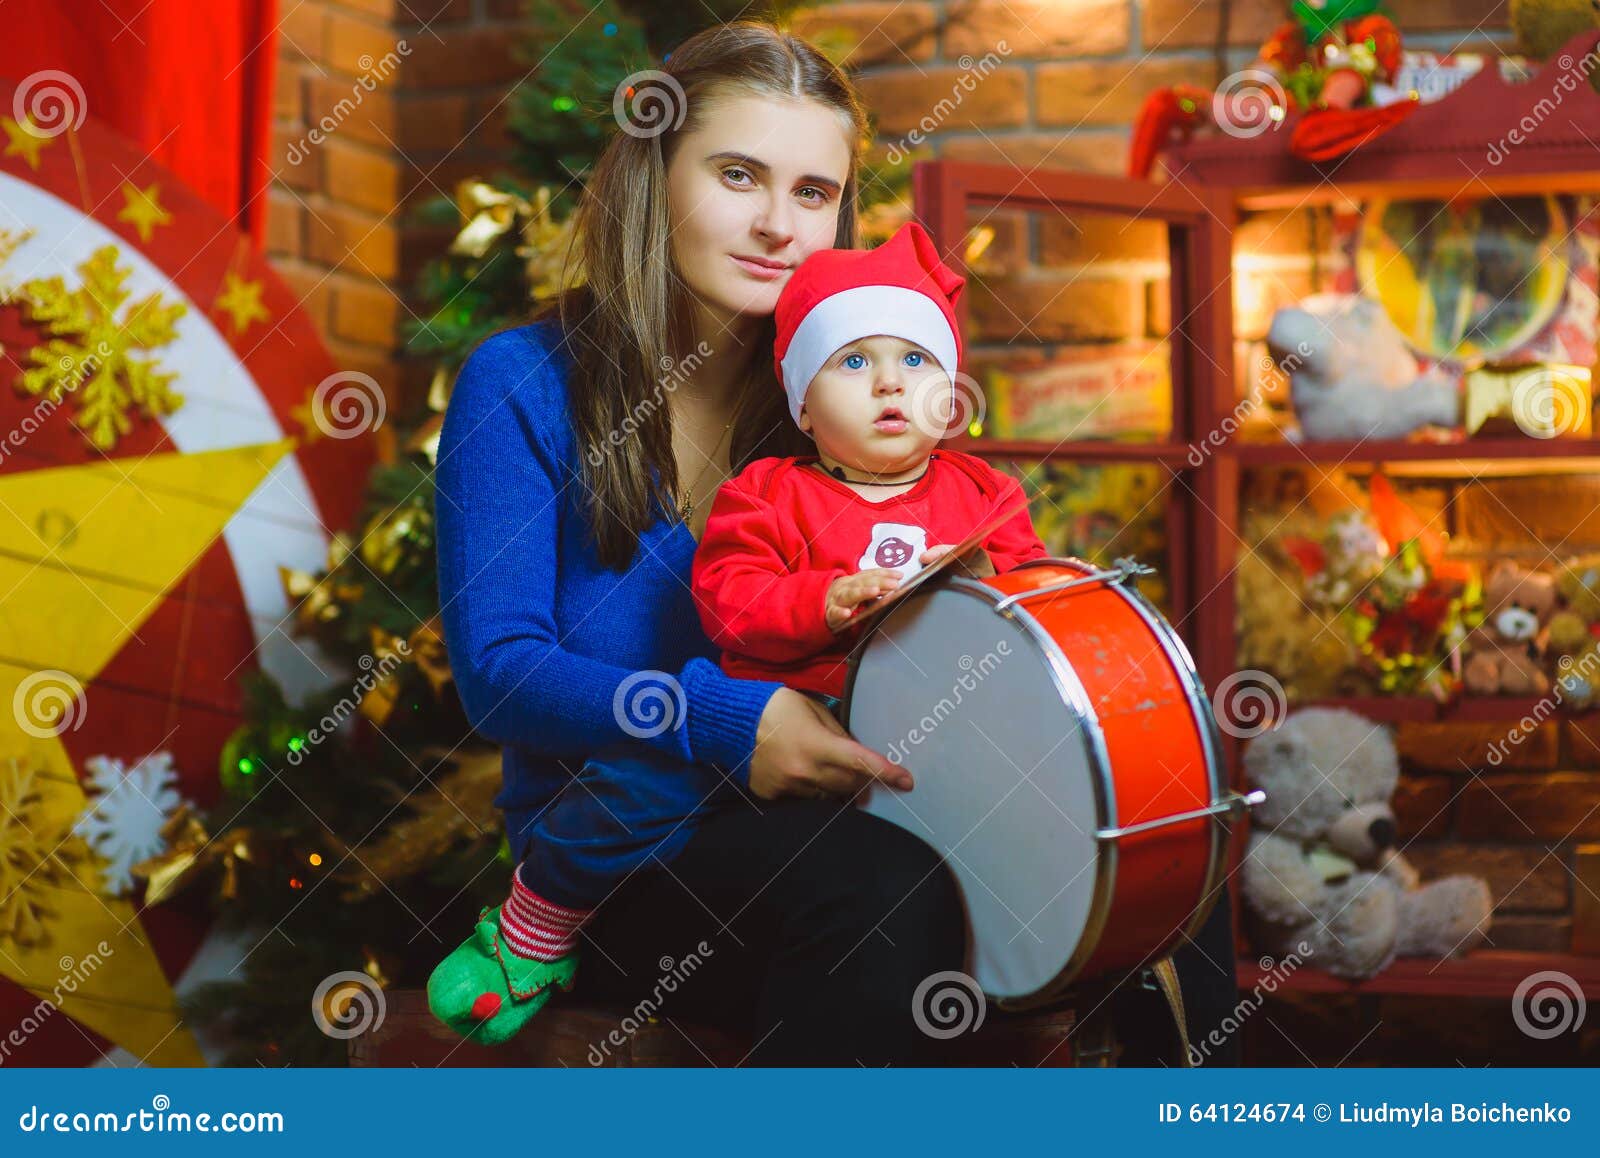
{"x":913,"y":359}
{"x":729,"y":174}
{"x":854,"y":361}
{"x":820,"y":198}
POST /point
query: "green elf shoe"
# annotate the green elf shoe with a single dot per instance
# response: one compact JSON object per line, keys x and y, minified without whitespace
{"x":487,"y":993}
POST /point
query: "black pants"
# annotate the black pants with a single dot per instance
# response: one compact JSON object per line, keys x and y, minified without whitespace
{"x":810,"y":926}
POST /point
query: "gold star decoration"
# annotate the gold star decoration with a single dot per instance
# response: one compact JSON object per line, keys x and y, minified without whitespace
{"x":241,"y":301}
{"x":23,"y":140}
{"x":143,"y":209}
{"x":305,"y":413}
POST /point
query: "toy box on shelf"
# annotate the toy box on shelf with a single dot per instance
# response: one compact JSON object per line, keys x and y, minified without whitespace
{"x":1459,"y":271}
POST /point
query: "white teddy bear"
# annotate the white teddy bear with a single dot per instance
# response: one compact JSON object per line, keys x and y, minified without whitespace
{"x":1321,"y":865}
{"x":1350,"y":373}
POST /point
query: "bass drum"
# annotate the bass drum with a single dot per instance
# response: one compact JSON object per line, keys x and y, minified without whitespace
{"x":1067,"y":766}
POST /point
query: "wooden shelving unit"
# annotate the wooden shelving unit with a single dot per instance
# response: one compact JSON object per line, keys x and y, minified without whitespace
{"x":1472,"y":451}
{"x":1438,"y":152}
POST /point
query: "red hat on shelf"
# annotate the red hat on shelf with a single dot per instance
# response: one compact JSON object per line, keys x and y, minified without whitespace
{"x":900,"y":289}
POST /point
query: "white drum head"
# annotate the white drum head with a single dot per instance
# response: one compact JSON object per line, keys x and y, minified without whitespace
{"x":1005,"y":789}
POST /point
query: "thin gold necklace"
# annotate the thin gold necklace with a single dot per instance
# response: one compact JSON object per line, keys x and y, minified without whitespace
{"x":686,"y":506}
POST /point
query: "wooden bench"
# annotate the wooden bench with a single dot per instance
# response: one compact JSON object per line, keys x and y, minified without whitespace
{"x":569,"y":1033}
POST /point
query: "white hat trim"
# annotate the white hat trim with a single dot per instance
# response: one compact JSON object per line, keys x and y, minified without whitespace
{"x":861,"y":312}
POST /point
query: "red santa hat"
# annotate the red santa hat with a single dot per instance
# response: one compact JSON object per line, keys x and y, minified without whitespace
{"x":900,"y":289}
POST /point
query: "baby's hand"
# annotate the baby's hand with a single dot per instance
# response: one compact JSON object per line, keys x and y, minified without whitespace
{"x":978,"y":564}
{"x":849,"y":592}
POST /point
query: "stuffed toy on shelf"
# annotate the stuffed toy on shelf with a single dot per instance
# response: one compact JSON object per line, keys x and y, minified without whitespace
{"x":1351,"y":374}
{"x":1505,"y":653}
{"x":1322,"y":867}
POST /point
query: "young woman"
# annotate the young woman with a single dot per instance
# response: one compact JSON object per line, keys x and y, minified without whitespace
{"x":576,"y":468}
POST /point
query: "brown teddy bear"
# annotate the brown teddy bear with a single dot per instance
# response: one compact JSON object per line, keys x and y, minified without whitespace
{"x":1506,"y":651}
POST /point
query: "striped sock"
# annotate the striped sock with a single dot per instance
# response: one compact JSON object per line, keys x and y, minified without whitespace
{"x":537,"y":928}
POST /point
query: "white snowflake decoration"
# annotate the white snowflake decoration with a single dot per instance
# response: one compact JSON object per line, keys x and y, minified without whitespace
{"x":123,"y":820}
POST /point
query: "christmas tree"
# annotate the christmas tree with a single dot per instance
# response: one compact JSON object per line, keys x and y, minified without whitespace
{"x":356,"y":837}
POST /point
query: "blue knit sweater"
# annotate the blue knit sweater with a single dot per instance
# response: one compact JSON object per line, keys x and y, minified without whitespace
{"x":550,"y":650}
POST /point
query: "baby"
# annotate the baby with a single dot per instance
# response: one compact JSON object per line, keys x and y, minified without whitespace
{"x":795,"y":548}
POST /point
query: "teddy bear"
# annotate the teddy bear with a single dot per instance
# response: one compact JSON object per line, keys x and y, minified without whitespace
{"x":1574,"y":632}
{"x":1505,"y":653}
{"x":1321,"y":866}
{"x":1350,"y":373}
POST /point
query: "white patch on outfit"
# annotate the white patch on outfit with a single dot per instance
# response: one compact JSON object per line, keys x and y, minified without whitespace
{"x":896,"y":545}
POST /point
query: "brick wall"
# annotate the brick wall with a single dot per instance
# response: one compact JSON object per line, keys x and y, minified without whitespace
{"x":1518,"y":823}
{"x":1074,"y":72}
{"x":380,"y":105}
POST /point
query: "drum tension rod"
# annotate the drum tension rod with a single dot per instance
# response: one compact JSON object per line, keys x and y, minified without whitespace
{"x":1232,"y":802}
{"x":1120,"y":571}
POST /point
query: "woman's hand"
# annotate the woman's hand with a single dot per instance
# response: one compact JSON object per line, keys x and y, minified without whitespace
{"x":848,"y":592}
{"x":801,"y":750}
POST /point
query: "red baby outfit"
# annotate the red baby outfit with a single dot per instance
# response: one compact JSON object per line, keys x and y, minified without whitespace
{"x":782,"y":531}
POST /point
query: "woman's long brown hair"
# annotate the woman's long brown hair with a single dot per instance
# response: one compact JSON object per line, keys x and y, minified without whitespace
{"x":626,"y":326}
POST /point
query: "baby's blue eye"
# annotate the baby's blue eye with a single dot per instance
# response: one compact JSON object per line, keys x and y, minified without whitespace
{"x":854,"y":361}
{"x":914,"y":358}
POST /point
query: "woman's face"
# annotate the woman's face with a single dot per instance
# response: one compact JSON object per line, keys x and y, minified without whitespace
{"x":751,"y":192}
